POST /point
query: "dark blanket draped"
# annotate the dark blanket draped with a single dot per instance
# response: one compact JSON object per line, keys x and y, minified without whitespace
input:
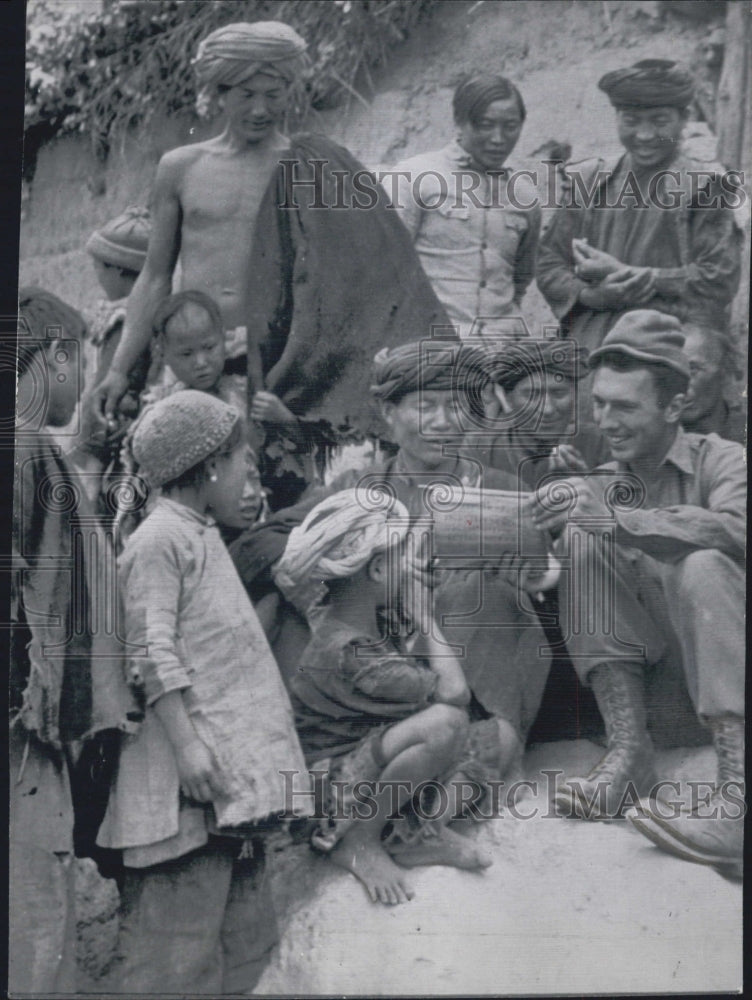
{"x":331,"y":286}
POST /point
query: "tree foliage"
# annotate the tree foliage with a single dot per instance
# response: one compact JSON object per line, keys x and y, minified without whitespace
{"x":99,"y":71}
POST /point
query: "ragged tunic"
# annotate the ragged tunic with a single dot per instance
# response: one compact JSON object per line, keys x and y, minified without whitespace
{"x":193,"y":629}
{"x":694,"y":250}
{"x":349,"y":683}
{"x":477,"y":248}
{"x":500,"y":643}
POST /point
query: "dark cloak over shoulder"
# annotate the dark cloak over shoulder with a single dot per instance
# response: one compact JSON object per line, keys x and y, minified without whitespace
{"x":329,"y":286}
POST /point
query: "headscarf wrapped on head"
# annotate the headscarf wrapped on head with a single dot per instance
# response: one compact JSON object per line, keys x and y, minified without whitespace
{"x":337,"y":538}
{"x":650,"y":83}
{"x":474,"y":94}
{"x":236,"y":52}
{"x":426,"y":365}
{"x":537,"y":357}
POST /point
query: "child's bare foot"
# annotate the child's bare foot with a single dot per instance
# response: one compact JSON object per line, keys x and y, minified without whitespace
{"x":448,"y":848}
{"x":370,"y":863}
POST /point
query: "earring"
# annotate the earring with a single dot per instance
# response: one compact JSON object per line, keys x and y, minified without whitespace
{"x":213,"y":477}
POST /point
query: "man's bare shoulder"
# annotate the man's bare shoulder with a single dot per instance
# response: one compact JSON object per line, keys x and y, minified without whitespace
{"x":181,"y":157}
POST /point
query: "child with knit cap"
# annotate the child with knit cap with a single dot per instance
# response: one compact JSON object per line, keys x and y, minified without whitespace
{"x":118,"y":252}
{"x":368,"y":712}
{"x":198,"y":783}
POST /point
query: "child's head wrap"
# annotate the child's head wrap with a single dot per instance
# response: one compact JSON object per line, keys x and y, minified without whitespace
{"x":124,"y":240}
{"x":178,"y":432}
{"x":339,"y":536}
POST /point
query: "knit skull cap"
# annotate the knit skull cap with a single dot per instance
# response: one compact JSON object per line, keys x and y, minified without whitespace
{"x":647,"y":335}
{"x":124,"y":240}
{"x":178,"y":432}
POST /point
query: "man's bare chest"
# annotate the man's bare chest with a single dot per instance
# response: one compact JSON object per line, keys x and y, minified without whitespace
{"x":217,"y":191}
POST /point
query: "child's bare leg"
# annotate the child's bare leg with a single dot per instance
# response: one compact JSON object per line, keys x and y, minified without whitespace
{"x":416,"y":749}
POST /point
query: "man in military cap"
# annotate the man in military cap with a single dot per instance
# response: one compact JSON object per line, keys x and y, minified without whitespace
{"x":652,"y":229}
{"x":670,"y":588}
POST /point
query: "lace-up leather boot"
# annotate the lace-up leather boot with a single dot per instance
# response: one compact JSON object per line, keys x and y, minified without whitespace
{"x":626,"y":772}
{"x":711,"y":832}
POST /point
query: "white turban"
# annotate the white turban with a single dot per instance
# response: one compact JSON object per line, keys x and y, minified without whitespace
{"x":339,"y":536}
{"x":236,"y":52}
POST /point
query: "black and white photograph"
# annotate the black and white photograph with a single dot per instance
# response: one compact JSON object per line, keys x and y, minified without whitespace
{"x":377,"y":566}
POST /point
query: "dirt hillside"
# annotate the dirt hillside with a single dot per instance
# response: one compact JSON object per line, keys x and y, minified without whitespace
{"x":567,"y":907}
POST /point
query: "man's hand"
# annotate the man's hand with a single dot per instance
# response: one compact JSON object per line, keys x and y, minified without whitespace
{"x":200,"y":776}
{"x":270,"y":409}
{"x":105,"y":396}
{"x":592,"y":264}
{"x":589,"y":504}
{"x":629,"y":287}
{"x":635,"y":284}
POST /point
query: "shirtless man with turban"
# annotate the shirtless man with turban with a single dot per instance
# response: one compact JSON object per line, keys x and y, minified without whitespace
{"x":207,"y":194}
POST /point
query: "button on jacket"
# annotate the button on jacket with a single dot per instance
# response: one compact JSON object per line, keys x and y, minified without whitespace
{"x":473,"y":234}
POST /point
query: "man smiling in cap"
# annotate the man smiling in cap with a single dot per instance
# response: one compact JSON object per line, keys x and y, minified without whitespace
{"x":651,"y":228}
{"x":676,"y":575}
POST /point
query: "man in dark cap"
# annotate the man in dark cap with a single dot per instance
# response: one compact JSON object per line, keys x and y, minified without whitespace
{"x":530,"y":402}
{"x":653,"y":228}
{"x":423,"y":389}
{"x":426,"y":392}
{"x":671,"y":587}
{"x":475,"y":223}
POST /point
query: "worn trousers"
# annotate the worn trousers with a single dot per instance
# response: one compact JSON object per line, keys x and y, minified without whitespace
{"x":621,"y":604}
{"x":200,"y":924}
{"x":499,"y":642}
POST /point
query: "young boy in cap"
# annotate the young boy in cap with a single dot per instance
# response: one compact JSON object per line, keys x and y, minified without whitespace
{"x":676,"y":576}
{"x":118,"y":251}
{"x":651,"y":229}
{"x":198,"y":783}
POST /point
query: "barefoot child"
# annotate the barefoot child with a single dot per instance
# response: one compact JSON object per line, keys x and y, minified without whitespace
{"x":197,"y":783}
{"x":365,"y":709}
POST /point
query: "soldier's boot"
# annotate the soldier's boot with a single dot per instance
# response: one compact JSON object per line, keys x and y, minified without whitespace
{"x":626,"y":772}
{"x":712,"y":832}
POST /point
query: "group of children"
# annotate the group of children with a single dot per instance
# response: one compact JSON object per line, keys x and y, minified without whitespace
{"x":208,"y":735}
